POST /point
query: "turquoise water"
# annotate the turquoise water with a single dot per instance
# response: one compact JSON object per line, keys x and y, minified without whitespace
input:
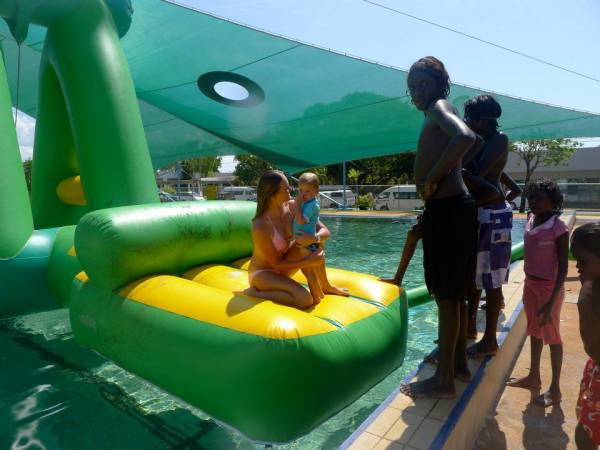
{"x":56,"y":395}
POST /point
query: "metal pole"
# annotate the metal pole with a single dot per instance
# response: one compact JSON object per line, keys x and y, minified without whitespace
{"x":344,"y":183}
{"x":178,"y":179}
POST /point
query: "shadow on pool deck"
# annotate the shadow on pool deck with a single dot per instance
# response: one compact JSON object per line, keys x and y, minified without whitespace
{"x":517,"y":423}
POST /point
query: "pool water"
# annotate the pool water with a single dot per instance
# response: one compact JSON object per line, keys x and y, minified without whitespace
{"x":57,"y":395}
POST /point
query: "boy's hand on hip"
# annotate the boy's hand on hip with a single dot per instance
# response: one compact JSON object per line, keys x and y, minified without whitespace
{"x":429,"y":189}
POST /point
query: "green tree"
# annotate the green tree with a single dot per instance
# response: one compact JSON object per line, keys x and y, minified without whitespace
{"x":353,"y":176}
{"x":205,"y":166}
{"x":250,"y":168}
{"x":27,"y":170}
{"x":321,"y":172}
{"x":544,"y":153}
{"x":379,"y":170}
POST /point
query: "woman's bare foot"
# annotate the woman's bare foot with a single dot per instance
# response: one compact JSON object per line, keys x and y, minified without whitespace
{"x":527,"y":382}
{"x":429,"y":388}
{"x":317,"y":297}
{"x":251,"y":292}
{"x":334,"y":290}
{"x":317,"y":293}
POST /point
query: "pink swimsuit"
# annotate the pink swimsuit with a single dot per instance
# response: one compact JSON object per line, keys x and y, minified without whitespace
{"x":541,"y":262}
{"x":281,"y":245}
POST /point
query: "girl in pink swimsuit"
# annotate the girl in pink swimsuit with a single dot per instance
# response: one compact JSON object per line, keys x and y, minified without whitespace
{"x":275,"y":257}
{"x":546,"y":254}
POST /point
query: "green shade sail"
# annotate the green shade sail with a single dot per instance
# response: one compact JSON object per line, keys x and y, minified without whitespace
{"x":318,"y":107}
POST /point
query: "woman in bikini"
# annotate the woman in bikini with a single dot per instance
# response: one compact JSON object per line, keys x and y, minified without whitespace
{"x":276,"y":257}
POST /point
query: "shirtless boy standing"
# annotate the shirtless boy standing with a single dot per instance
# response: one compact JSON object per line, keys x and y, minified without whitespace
{"x":449,"y":221}
{"x":495,"y":221}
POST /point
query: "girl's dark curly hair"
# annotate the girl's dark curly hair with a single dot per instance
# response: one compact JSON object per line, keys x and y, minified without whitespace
{"x":587,"y":236}
{"x":550,"y":188}
{"x":436,"y":69}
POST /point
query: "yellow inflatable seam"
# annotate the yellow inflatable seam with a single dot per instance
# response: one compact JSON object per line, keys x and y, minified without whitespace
{"x":70,"y":191}
{"x":334,"y":309}
{"x":218,"y":307}
{"x":82,"y":276}
{"x":362,"y":286}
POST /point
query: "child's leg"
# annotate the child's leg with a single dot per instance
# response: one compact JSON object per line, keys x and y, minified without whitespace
{"x":556,"y":359}
{"x":311,"y":277}
{"x":313,"y":285}
{"x":461,"y":365}
{"x":533,"y":380}
{"x":441,"y":385}
{"x":583,"y":440}
{"x":494,"y":299}
{"x":472,"y":313}
{"x":326,"y":286}
{"x":412,"y":237}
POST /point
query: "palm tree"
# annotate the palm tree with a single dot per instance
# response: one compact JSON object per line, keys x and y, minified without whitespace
{"x":353,"y":175}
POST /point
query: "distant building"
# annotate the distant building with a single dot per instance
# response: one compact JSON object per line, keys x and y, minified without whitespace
{"x":583,"y":167}
{"x":578,"y":180}
{"x":213,"y":186}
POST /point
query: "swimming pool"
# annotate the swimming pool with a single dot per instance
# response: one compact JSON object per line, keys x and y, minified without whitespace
{"x":56,"y":395}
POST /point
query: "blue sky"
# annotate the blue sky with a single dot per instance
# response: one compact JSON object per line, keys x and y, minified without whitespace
{"x":563,"y":33}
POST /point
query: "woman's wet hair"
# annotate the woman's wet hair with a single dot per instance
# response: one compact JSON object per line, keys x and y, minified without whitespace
{"x":435,"y":68}
{"x":587,"y":236}
{"x":268,"y":186}
{"x":483,"y":107}
{"x":550,"y":188}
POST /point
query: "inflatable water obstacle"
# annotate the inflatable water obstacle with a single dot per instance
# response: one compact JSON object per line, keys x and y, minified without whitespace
{"x":153,"y":287}
{"x":160,"y":303}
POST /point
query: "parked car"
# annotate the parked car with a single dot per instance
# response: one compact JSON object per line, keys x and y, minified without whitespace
{"x":239,"y":193}
{"x":164,"y":197}
{"x":400,"y":197}
{"x":333,"y":199}
{"x":189,"y":195}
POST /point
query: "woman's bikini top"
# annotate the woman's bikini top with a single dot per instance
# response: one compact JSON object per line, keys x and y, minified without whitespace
{"x":279,"y":242}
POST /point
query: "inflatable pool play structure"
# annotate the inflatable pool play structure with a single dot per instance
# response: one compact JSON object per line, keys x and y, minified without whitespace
{"x":153,"y":286}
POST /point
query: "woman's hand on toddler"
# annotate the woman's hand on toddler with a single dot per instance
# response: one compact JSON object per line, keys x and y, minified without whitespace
{"x":315,"y":258}
{"x":303,"y":239}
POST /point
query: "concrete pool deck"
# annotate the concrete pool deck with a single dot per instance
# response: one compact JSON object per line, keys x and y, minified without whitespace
{"x":470,"y":421}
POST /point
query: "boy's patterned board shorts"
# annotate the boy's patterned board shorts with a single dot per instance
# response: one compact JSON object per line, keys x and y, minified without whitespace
{"x":588,"y":404}
{"x":494,"y":245}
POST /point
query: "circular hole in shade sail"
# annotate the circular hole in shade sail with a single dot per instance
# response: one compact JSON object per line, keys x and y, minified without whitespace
{"x":231,"y":89}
